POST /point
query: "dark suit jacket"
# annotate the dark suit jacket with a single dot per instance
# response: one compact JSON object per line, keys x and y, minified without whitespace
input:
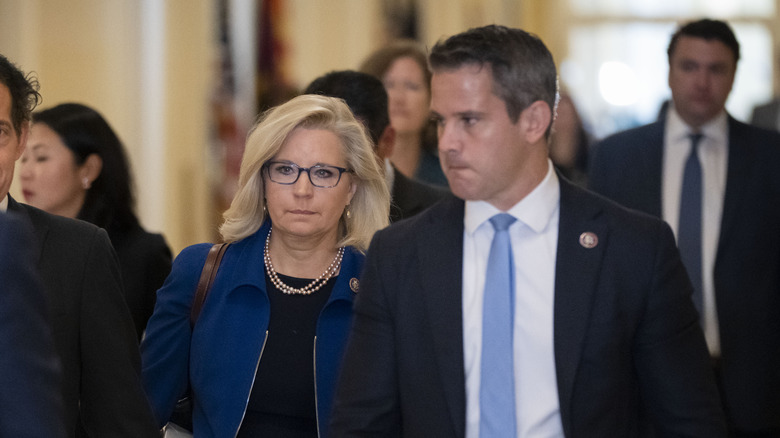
{"x":627,"y":168}
{"x":145,"y":261}
{"x":625,"y":330}
{"x":410,"y":197}
{"x":93,"y":332}
{"x":766,"y":116}
{"x":29,"y":367}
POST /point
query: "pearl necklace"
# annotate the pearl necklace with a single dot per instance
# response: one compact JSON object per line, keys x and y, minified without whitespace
{"x":312,"y":287}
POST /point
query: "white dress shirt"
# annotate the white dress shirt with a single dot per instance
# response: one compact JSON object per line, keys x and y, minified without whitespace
{"x":534,"y":239}
{"x":4,"y":203}
{"x":389,"y":175}
{"x":713,"y":157}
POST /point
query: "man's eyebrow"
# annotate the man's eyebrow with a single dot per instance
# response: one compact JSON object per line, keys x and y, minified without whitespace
{"x":468,"y":113}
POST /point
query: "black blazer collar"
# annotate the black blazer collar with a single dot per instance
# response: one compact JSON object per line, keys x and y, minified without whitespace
{"x":440,"y":249}
{"x":576,"y":275}
{"x":31,"y":216}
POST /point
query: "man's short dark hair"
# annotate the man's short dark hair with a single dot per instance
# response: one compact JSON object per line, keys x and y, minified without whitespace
{"x":364,"y":94}
{"x":24,"y":92}
{"x":709,"y":30}
{"x":523,"y":69}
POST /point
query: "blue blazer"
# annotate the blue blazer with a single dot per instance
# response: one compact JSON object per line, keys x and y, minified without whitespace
{"x":219,"y":357}
{"x":628,"y":166}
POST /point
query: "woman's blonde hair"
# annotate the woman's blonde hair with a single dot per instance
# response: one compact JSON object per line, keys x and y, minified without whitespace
{"x":370,"y":206}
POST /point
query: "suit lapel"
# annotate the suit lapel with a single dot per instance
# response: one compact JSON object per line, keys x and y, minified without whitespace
{"x":440,"y":248}
{"x":40,"y":228}
{"x":576,"y":274}
{"x":740,"y":156}
{"x":400,"y":197}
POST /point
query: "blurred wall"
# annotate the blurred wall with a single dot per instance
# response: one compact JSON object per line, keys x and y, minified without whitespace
{"x":150,"y":65}
{"x":146,"y":65}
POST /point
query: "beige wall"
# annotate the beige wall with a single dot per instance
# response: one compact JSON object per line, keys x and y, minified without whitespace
{"x":148,"y":66}
{"x":112,"y":56}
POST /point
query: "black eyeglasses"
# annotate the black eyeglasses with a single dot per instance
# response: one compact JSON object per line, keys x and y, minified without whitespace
{"x":282,"y":172}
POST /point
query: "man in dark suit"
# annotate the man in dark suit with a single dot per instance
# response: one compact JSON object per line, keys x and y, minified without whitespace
{"x":92,"y":328}
{"x":29,"y":367}
{"x":367,"y":98}
{"x":580,"y":307}
{"x":736,"y":239}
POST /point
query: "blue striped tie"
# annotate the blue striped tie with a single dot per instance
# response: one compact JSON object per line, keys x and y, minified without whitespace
{"x":689,"y":230}
{"x":497,"y":387}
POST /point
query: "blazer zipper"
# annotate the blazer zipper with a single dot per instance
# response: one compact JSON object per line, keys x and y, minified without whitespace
{"x":254,"y":376}
{"x":316,"y":399}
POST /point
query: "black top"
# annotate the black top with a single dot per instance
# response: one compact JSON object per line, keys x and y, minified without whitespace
{"x":145,"y":260}
{"x":282,"y":400}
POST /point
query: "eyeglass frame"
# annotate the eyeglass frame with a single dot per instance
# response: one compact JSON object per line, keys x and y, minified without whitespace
{"x":341,"y":170}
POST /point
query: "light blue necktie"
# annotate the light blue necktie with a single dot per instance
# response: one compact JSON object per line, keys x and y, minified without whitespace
{"x":497,"y":385}
{"x":689,"y":230}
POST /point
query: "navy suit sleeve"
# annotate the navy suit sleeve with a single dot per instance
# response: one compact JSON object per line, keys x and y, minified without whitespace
{"x":112,"y":401}
{"x":603,"y":158}
{"x":367,"y":395}
{"x":671,"y":358}
{"x":29,"y":368}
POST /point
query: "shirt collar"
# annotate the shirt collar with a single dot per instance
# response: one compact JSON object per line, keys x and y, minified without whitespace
{"x":4,"y":203}
{"x":716,"y":129}
{"x":535,"y":210}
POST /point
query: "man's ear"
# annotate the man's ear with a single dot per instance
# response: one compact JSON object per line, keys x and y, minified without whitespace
{"x":91,"y":168}
{"x":534,"y":121}
{"x":384,"y":148}
{"x":23,"y":134}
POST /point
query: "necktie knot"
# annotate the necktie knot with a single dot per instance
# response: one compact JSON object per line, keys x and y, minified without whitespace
{"x":695,"y":139}
{"x":502,"y":221}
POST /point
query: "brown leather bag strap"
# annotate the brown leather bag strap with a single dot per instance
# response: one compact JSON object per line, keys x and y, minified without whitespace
{"x":206,"y":279}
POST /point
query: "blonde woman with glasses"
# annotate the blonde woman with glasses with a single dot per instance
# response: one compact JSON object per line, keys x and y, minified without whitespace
{"x":263,"y":357}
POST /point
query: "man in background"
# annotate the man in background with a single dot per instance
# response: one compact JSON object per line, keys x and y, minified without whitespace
{"x":716,"y":182}
{"x":367,"y":98}
{"x":93,"y":333}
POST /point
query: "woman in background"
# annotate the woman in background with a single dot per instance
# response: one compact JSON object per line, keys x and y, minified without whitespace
{"x":403,"y":68}
{"x":263,"y":357}
{"x":75,"y":166}
{"x":570,"y":142}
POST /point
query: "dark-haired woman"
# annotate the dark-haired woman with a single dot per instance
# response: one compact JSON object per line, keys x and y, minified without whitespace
{"x":75,"y":166}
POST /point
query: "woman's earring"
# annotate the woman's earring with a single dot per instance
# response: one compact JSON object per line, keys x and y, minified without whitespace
{"x":85,"y":183}
{"x":349,"y":213}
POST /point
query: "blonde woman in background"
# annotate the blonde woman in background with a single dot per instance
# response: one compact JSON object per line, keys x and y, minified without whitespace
{"x":263,"y":358}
